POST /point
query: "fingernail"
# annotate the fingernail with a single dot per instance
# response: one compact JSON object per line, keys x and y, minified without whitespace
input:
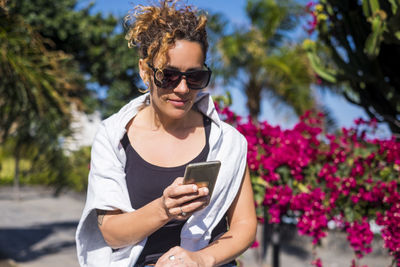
{"x":205,"y":190}
{"x":194,"y":188}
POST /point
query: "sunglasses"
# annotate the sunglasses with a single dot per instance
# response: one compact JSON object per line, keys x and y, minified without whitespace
{"x":170,"y":79}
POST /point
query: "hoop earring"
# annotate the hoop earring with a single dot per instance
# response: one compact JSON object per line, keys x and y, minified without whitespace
{"x":147,"y":89}
{"x":143,"y":91}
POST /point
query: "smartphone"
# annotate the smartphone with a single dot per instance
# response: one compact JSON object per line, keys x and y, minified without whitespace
{"x":202,"y":174}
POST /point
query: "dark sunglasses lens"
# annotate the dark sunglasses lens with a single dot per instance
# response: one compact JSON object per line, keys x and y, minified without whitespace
{"x":170,"y":79}
{"x":198,"y":79}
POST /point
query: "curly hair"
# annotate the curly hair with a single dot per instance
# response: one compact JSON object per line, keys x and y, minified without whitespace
{"x":155,"y":28}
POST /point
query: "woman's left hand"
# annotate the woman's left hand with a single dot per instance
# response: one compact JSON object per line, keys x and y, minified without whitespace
{"x":178,"y":256}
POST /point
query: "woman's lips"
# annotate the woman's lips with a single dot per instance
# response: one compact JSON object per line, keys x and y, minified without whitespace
{"x":177,"y":102}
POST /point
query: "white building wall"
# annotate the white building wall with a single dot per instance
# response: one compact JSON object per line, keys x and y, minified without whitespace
{"x":84,"y":128}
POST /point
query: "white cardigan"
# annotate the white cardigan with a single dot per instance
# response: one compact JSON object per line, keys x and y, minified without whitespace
{"x":107,"y":188}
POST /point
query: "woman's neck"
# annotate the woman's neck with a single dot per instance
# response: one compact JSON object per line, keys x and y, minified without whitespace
{"x":159,"y":121}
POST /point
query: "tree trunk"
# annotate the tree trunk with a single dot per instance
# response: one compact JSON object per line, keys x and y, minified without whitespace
{"x":16,"y":177}
{"x":253,"y":92}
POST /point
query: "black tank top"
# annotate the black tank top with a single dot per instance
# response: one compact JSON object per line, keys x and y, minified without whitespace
{"x":145,"y":183}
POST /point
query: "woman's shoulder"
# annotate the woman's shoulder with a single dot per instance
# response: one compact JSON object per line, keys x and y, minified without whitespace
{"x":231,"y":139}
{"x":205,"y":104}
{"x":228,"y":129}
{"x":117,"y":122}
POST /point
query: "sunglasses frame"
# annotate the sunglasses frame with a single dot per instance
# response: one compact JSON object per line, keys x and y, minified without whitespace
{"x":181,"y":74}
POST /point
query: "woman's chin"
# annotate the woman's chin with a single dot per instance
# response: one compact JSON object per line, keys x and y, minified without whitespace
{"x":177,"y":114}
{"x":177,"y":110}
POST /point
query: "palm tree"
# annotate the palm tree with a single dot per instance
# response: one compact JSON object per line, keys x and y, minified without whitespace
{"x":262,"y":60}
{"x":36,"y":88}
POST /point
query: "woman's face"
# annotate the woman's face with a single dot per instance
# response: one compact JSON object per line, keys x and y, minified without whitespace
{"x":175,"y":103}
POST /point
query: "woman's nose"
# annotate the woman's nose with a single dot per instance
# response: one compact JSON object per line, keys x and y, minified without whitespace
{"x":182,"y":87}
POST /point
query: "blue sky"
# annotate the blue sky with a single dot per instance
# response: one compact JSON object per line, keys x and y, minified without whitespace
{"x":234,"y":10}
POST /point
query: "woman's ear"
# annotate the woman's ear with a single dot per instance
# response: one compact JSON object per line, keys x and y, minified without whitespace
{"x":142,"y":70}
{"x":144,"y":74}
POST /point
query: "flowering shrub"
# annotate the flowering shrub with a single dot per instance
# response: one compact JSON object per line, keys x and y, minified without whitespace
{"x":315,"y":177}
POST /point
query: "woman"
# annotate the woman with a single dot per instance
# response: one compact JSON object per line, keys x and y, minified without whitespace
{"x":138,"y":211}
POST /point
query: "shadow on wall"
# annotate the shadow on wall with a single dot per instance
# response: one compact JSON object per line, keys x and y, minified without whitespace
{"x":26,"y":244}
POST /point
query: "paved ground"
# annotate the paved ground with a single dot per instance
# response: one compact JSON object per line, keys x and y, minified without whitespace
{"x":38,"y":231}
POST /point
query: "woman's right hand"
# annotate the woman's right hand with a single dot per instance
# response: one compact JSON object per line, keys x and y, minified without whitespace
{"x":180,"y":200}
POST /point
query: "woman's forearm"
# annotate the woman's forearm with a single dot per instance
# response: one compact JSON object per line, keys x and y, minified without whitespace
{"x":242,"y":228}
{"x":178,"y":201}
{"x":230,"y":245}
{"x":120,"y":230}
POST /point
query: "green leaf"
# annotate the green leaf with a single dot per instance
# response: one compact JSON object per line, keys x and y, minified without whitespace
{"x":366,"y":9}
{"x":303,"y":188}
{"x":385,"y":172}
{"x":372,"y":45}
{"x":374,"y":4}
{"x":326,"y":74}
{"x":259,"y":185}
{"x":349,"y":214}
{"x":394,"y":6}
